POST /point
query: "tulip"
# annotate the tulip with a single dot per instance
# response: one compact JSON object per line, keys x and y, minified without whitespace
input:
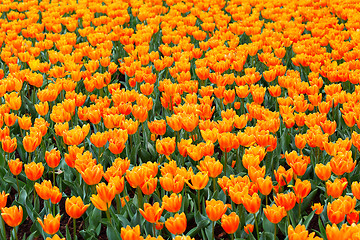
{"x":34,"y":170}
{"x":177,"y":224}
{"x":172,"y":203}
{"x":55,"y":237}
{"x":75,"y":208}
{"x":274,"y":214}
{"x":153,"y":213}
{"x":51,"y":224}
{"x":129,"y":233}
{"x":230,"y":223}
{"x":12,"y":216}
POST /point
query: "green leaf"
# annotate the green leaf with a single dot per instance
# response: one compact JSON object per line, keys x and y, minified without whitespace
{"x":200,"y":225}
{"x":308,"y":219}
{"x":111,"y":233}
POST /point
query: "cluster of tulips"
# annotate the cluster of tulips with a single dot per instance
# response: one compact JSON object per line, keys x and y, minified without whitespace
{"x":177,"y":119}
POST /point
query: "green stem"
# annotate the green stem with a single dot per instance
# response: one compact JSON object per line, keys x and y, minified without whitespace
{"x":300,"y":208}
{"x":154,"y":231}
{"x":74,"y":226}
{"x":16,"y":236}
{"x":108,"y":214}
{"x":232,"y":236}
{"x":198,"y":200}
{"x":140,"y":197}
{"x":214,"y":184}
{"x":118,"y":203}
{"x":275,"y":232}
{"x":17,"y":183}
{"x":213,"y":230}
{"x":3,"y":225}
{"x":54,"y":176}
{"x":257,"y":226}
{"x":225,"y":162}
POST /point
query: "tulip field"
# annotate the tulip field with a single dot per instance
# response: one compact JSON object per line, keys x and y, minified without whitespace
{"x":179,"y":119}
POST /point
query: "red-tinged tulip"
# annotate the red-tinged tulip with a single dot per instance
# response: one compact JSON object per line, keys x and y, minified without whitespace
{"x":274,"y":213}
{"x":149,"y":186}
{"x":12,"y":216}
{"x":34,"y":171}
{"x":211,"y":166}
{"x":283,"y":176}
{"x":335,"y":212}
{"x":230,"y":223}
{"x":30,"y":143}
{"x":129,"y":233}
{"x":172,"y":203}
{"x":318,"y":207}
{"x":177,"y":224}
{"x":151,"y":213}
{"x":3,"y":199}
{"x":215,"y":209}
{"x":353,"y":217}
{"x":51,"y":224}
{"x":53,"y":158}
{"x":249,"y":228}
{"x":75,"y":207}
{"x":15,"y":166}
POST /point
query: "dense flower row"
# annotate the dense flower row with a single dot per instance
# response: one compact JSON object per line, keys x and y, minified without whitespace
{"x":186,"y":114}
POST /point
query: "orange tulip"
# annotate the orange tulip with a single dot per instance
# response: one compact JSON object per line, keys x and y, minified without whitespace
{"x":353,"y":217}
{"x":92,"y":175}
{"x":99,"y":203}
{"x":177,"y":224}
{"x":172,"y":203}
{"x":30,"y":143}
{"x":153,"y":213}
{"x":283,"y":176}
{"x":198,"y":181}
{"x":336,"y":188}
{"x":15,"y":166}
{"x":149,"y":186}
{"x":75,"y":207}
{"x":274,"y":213}
{"x":129,"y":233}
{"x":165,"y":146}
{"x":3,"y":199}
{"x":51,"y":224}
{"x":106,"y":192}
{"x":12,"y":216}
{"x":230,"y":223}
{"x":55,"y":237}
{"x":44,"y":189}
{"x":56,"y":195}
{"x":118,"y":184}
{"x":299,"y":232}
{"x":335,"y":212}
{"x":323,"y":171}
{"x":34,"y":171}
{"x":249,"y":228}
{"x":9,"y":145}
{"x":211,"y":166}
{"x":53,"y":158}
{"x":215,"y":209}
{"x":265,"y":185}
{"x":302,"y":188}
{"x":286,"y":200}
{"x":355,"y":189}
{"x":252,"y":203}
{"x":318,"y":207}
